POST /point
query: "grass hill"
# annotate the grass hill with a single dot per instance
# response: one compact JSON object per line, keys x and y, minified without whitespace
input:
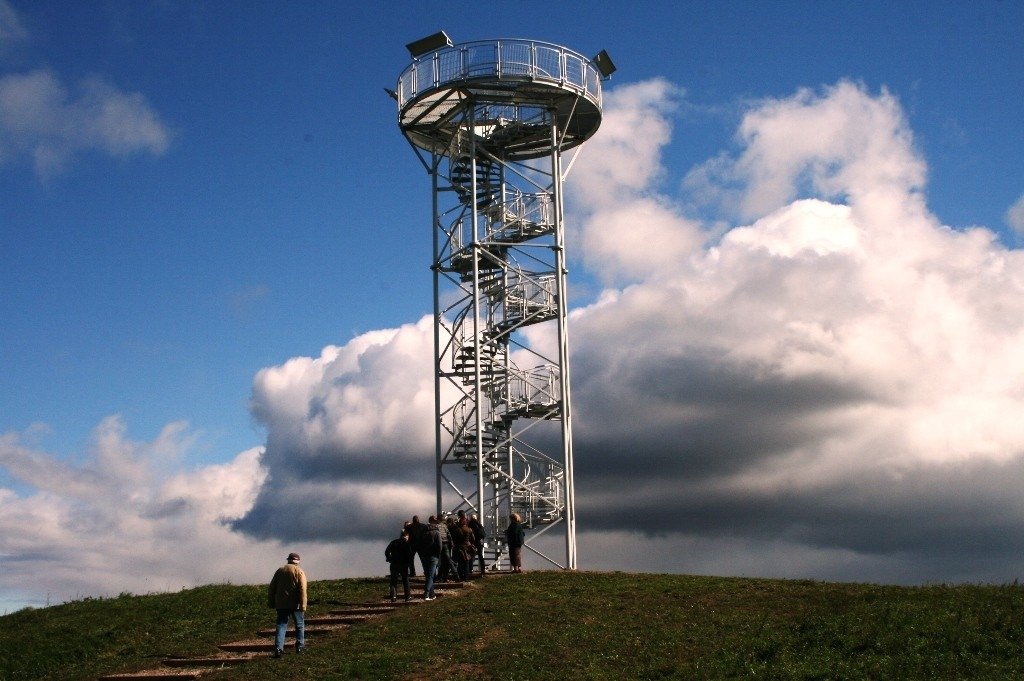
{"x":555,"y":625}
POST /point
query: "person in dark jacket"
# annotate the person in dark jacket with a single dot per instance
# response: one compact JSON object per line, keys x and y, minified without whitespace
{"x":515,"y":536}
{"x":416,"y":532}
{"x":464,"y":548}
{"x":430,"y":554}
{"x":479,"y":538}
{"x":416,"y":528}
{"x":399,"y":556}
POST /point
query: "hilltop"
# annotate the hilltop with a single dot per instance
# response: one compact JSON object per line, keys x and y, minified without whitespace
{"x":555,"y":625}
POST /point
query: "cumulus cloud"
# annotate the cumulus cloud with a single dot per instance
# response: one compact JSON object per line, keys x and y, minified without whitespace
{"x":44,"y":122}
{"x":842,"y":145}
{"x":629,"y":232}
{"x":349,"y":438}
{"x":132,"y":517}
{"x":12,"y":29}
{"x":1015,"y":215}
{"x":842,"y":375}
{"x":126,"y":519}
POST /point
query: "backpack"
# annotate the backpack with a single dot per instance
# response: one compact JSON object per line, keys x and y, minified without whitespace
{"x":427,"y":539}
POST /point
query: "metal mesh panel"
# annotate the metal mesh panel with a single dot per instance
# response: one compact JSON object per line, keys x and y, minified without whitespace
{"x":574,"y":70}
{"x":594,"y":84}
{"x":516,"y":59}
{"x":549,"y":62}
{"x":449,"y":65}
{"x":481,"y":59}
{"x":407,"y":86}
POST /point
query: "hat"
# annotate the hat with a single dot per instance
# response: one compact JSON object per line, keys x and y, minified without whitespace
{"x":293,"y":558}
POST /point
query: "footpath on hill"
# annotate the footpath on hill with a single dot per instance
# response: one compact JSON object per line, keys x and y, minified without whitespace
{"x":318,"y":626}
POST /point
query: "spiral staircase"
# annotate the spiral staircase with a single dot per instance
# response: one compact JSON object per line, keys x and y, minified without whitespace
{"x":514,"y":298}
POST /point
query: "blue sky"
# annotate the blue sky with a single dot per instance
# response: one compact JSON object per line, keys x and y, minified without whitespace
{"x":206,"y":190}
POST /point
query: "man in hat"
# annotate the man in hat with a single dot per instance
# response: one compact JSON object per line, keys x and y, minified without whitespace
{"x":288,"y":596}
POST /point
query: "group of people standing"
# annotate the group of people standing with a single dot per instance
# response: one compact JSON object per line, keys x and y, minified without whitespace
{"x":445,"y":546}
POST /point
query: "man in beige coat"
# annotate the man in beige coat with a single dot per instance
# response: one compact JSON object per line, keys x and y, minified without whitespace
{"x":288,"y":596}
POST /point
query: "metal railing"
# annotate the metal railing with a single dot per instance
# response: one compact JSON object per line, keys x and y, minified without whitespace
{"x":489,"y":59}
{"x":536,"y":387}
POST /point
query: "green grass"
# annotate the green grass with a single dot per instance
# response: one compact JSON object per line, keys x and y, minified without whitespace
{"x":555,"y":625}
{"x":83,"y":639}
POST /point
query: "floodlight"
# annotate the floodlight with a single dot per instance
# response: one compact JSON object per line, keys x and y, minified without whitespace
{"x":429,"y":44}
{"x":604,"y":64}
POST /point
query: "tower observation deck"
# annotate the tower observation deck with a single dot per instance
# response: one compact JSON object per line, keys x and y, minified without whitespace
{"x":490,"y":121}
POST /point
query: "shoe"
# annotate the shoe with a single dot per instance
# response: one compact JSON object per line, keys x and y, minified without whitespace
{"x":277,"y":653}
{"x":299,"y":651}
{"x":430,"y":598}
{"x":408,"y":599}
{"x":393,"y":599}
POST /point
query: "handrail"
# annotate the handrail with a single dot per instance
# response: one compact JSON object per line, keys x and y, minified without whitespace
{"x":506,"y":58}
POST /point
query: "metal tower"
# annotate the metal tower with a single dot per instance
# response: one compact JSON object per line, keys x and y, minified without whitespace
{"x":489,"y":120}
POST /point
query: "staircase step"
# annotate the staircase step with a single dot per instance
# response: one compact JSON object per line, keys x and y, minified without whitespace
{"x":154,"y":675}
{"x":447,"y":586}
{"x":310,"y":631}
{"x":346,"y":618}
{"x":265,"y":645}
{"x":365,"y":609}
{"x":225,"y":660}
{"x":334,"y":619}
{"x":340,"y":618}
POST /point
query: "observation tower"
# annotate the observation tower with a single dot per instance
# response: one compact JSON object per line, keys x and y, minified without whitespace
{"x":490,"y":121}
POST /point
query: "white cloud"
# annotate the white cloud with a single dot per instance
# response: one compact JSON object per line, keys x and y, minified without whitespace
{"x":355,"y":398}
{"x":12,"y":29}
{"x":349,"y":435}
{"x":1015,"y":215}
{"x":625,"y":157}
{"x":47,"y":123}
{"x":812,"y":367}
{"x":841,"y":144}
{"x":42,"y":121}
{"x":628,"y":232}
{"x":129,"y":518}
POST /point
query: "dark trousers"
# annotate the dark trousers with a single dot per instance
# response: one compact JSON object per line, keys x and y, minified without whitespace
{"x":463,"y":566}
{"x":446,"y":565}
{"x":399,"y":570}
